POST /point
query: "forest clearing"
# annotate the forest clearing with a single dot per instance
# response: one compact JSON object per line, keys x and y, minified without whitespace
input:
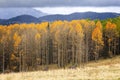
{"x":107,"y":69}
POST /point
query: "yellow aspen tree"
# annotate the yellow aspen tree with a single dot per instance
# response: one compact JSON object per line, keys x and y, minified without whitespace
{"x":98,"y":39}
{"x":79,"y":41}
{"x":72,"y":41}
{"x":17,"y":41}
{"x":111,"y":35}
{"x":38,"y":49}
{"x":4,"y":44}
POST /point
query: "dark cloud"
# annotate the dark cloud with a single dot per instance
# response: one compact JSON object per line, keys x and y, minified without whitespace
{"x":57,"y":3}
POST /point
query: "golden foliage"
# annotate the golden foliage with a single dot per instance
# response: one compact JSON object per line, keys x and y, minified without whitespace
{"x":97,"y":34}
{"x":37,"y":37}
{"x":99,"y":25}
{"x":17,"y":39}
{"x":110,"y":25}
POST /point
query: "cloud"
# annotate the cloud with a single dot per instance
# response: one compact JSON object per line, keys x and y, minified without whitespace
{"x":69,"y":10}
{"x":58,"y":3}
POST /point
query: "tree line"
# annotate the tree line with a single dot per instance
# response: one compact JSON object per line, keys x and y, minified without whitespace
{"x":26,"y":47}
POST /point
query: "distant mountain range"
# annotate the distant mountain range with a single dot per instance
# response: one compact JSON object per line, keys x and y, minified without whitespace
{"x":85,"y":15}
{"x":74,"y":16}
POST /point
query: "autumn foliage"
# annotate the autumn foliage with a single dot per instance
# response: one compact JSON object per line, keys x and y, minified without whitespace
{"x":26,"y":47}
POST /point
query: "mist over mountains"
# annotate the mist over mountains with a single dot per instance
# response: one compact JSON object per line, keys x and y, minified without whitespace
{"x":7,"y":13}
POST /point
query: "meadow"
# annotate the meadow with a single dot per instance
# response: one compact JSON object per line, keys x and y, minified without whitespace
{"x":105,"y":69}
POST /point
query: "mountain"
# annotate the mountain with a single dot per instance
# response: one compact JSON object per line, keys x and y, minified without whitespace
{"x":74,"y":16}
{"x":20,"y":19}
{"x":7,"y":13}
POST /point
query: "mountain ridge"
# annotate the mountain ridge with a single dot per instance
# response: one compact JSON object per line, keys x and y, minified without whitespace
{"x":74,"y":16}
{"x":77,"y":15}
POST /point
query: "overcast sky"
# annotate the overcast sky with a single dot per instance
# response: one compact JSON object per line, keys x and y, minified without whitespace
{"x":65,"y":6}
{"x":58,"y":3}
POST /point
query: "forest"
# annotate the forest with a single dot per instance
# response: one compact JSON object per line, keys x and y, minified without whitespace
{"x":26,"y":47}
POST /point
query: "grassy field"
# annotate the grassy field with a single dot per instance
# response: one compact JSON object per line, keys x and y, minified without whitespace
{"x":108,"y":69}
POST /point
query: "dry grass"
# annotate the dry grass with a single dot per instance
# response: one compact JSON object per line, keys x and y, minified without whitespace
{"x":102,"y":70}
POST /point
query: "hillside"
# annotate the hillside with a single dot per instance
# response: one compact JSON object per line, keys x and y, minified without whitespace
{"x":108,"y":69}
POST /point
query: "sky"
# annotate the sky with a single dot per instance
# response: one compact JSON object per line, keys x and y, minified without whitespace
{"x":65,"y":6}
{"x":58,"y":3}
